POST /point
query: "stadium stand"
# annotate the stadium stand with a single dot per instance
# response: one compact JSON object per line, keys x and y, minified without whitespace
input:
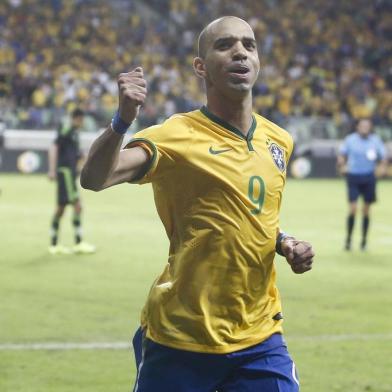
{"x":328,"y":62}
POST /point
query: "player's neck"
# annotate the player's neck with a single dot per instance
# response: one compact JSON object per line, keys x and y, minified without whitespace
{"x":236,"y":113}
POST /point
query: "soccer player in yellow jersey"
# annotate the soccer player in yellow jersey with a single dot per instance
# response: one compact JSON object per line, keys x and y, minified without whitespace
{"x":213,"y":320}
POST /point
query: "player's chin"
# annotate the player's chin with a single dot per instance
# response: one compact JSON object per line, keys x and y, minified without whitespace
{"x":240,"y":88}
{"x":240,"y":83}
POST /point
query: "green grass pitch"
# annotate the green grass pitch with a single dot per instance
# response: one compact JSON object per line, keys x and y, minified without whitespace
{"x":337,"y":317}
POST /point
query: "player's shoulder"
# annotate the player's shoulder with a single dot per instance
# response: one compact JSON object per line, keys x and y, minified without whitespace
{"x":348,"y":142}
{"x":352,"y":137}
{"x":376,"y":138}
{"x":183,"y":120}
{"x":271,"y":126}
{"x":175,"y":128}
{"x":65,"y":127}
{"x":273,"y":130}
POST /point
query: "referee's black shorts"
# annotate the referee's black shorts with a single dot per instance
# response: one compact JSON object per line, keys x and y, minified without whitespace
{"x":67,"y":191}
{"x":361,"y":185}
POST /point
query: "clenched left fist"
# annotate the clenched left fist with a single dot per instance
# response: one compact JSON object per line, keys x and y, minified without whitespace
{"x":132,"y":91}
{"x":299,"y":254}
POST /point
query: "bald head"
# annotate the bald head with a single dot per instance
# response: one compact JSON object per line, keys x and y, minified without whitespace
{"x":208,"y":33}
{"x":228,"y":59}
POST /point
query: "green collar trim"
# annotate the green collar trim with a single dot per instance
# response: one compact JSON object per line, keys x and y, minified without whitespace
{"x":230,"y":128}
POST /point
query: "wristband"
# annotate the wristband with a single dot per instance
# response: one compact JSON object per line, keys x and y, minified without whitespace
{"x":278,"y":246}
{"x":119,"y":125}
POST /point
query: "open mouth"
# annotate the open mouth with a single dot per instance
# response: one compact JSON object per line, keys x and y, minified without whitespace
{"x":240,"y":70}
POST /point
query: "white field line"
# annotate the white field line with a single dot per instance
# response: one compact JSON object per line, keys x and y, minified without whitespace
{"x":66,"y":346}
{"x":69,"y":346}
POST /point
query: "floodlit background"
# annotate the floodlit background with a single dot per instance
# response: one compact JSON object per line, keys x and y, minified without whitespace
{"x":66,"y":321}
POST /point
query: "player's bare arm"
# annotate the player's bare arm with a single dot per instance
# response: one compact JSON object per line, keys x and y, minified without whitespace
{"x":342,"y":164}
{"x":52,"y":159}
{"x":106,"y":163}
{"x":299,"y":254}
{"x":382,"y":168}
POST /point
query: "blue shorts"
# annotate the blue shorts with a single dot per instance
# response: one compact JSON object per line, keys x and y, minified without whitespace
{"x":361,"y":185}
{"x":265,"y":367}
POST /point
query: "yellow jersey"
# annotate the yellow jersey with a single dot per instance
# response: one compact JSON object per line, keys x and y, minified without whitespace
{"x":218,"y":194}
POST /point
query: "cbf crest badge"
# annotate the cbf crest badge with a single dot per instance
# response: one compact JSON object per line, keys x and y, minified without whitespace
{"x":277,"y":156}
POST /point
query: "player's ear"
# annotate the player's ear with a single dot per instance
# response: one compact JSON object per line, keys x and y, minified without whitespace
{"x":199,"y":67}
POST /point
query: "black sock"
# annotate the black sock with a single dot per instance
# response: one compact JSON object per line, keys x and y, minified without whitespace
{"x":54,"y":230}
{"x":350,"y":226}
{"x":78,"y":228}
{"x":365,"y":227}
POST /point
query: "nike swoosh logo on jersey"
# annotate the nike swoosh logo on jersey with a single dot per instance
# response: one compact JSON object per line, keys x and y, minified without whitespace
{"x":216,"y":152}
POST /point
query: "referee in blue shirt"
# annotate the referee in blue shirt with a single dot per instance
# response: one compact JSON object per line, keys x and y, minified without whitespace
{"x":358,"y":158}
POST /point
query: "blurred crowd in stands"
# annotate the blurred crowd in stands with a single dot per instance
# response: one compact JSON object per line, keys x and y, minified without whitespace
{"x":326,"y":59}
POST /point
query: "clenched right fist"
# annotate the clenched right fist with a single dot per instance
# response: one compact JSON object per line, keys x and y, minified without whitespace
{"x":132,"y":92}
